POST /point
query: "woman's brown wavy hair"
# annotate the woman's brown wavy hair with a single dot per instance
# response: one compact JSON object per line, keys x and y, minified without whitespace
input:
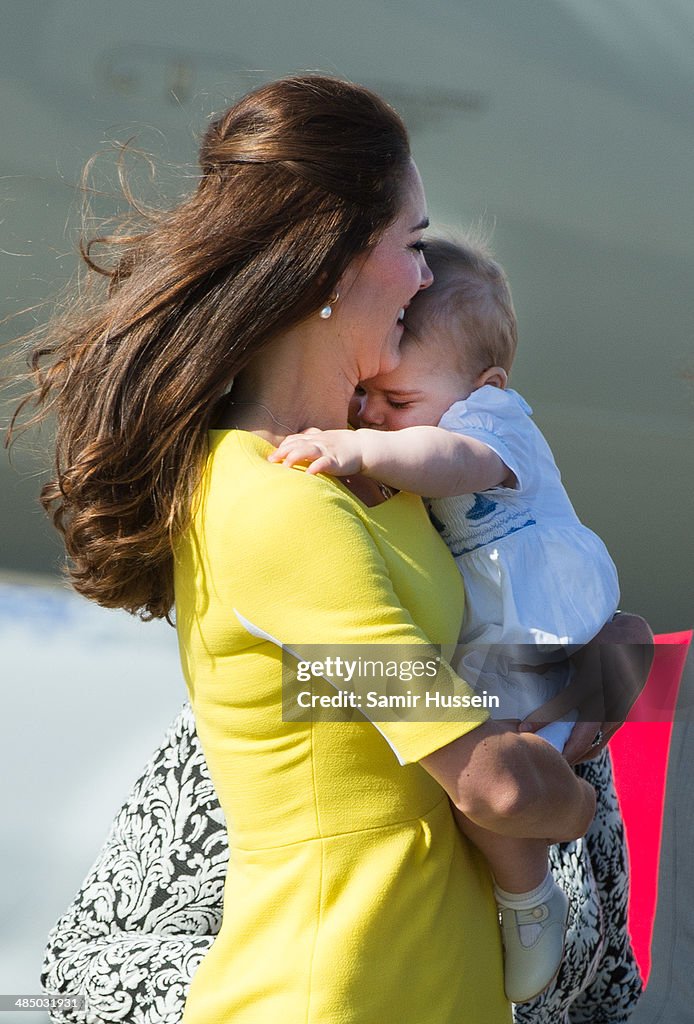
{"x":298,"y":178}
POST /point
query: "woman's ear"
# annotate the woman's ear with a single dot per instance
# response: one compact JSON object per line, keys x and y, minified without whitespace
{"x":495,"y":375}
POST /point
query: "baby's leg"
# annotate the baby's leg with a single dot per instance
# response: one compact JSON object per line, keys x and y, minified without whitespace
{"x":533,"y":909}
{"x":517,"y":865}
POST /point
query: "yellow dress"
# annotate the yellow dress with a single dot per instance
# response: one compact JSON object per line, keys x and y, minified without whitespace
{"x":350,"y":896}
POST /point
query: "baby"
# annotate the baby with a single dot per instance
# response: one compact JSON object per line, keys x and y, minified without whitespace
{"x":539,"y":585}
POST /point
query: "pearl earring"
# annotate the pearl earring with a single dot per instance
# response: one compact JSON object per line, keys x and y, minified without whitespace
{"x":327,"y":310}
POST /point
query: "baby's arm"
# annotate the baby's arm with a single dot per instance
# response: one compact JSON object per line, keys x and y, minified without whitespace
{"x":422,"y":460}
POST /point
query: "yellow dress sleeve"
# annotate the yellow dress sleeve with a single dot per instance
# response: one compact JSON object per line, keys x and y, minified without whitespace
{"x":294,"y":559}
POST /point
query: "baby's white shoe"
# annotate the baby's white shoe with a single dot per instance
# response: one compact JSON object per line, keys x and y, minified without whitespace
{"x":533,"y":938}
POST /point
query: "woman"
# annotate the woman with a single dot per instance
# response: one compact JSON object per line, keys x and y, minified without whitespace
{"x":151,"y":905}
{"x":287,"y":272}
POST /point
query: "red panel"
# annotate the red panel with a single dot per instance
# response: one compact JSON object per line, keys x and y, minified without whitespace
{"x":640,"y":755}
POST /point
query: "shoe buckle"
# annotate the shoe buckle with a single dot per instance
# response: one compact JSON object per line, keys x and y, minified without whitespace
{"x":534,"y":916}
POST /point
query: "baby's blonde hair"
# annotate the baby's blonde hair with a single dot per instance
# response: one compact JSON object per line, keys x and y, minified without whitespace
{"x":470,"y":299}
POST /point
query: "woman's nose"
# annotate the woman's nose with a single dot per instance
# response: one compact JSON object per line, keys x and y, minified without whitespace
{"x":427,"y":277}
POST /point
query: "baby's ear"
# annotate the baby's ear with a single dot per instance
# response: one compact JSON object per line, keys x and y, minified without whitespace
{"x":495,"y":375}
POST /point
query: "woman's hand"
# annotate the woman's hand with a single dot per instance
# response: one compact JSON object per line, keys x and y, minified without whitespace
{"x":337,"y":452}
{"x":611,"y":671}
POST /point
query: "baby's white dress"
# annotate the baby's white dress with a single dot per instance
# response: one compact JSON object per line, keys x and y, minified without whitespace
{"x":534,"y":574}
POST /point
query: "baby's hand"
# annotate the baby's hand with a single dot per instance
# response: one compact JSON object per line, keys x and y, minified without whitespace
{"x":338,"y":452}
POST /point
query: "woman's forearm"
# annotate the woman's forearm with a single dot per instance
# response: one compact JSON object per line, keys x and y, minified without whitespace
{"x":513,"y":784}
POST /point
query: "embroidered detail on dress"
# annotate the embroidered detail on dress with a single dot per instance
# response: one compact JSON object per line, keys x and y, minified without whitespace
{"x":471,"y":521}
{"x":482,"y":507}
{"x":455,"y":550}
